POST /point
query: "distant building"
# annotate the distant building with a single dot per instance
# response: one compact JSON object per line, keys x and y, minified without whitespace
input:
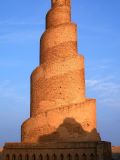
{"x":116,"y":152}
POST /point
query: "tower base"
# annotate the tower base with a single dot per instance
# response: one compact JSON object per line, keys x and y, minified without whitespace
{"x":58,"y":151}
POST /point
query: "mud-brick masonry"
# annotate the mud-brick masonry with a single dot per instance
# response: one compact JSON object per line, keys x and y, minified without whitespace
{"x":62,"y":123}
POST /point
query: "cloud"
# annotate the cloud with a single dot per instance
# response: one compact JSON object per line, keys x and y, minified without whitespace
{"x":20,"y":31}
{"x":102,"y":30}
{"x":19,"y":36}
{"x":106,"y":90}
{"x":11,"y":22}
{"x":8,"y":90}
{"x":102,"y":84}
{"x":7,"y":63}
{"x":92,"y":83}
{"x":98,"y":29}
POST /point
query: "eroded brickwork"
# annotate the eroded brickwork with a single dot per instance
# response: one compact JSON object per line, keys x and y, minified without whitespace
{"x":58,"y":84}
{"x":62,"y":123}
{"x":60,"y":151}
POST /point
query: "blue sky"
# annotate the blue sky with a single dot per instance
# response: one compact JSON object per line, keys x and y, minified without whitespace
{"x":21,"y":24}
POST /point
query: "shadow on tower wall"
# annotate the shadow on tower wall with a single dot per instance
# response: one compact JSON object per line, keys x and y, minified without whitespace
{"x":70,"y":130}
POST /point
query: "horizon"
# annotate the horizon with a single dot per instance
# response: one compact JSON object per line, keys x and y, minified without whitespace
{"x":22,"y":24}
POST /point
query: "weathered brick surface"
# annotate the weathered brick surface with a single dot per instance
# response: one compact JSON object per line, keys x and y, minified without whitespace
{"x":50,"y":120}
{"x":58,"y":35}
{"x":62,"y":123}
{"x":58,"y":15}
{"x":58,"y":84}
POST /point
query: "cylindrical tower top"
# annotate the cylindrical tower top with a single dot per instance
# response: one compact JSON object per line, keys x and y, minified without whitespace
{"x":56,"y":3}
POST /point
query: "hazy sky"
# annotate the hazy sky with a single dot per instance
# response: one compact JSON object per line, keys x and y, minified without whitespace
{"x":21,"y":24}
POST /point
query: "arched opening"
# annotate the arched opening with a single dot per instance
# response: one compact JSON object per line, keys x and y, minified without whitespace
{"x":13,"y":157}
{"x":26,"y":157}
{"x":47,"y":157}
{"x":40,"y":157}
{"x":84,"y":157}
{"x":69,"y":157}
{"x":61,"y":157}
{"x":33,"y":157}
{"x":92,"y":157}
{"x":7,"y":157}
{"x":54,"y":157}
{"x":76,"y":157}
{"x":20,"y":157}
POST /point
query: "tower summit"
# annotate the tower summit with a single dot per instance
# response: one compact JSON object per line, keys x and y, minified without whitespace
{"x":62,"y":119}
{"x":59,"y":13}
{"x":60,"y":3}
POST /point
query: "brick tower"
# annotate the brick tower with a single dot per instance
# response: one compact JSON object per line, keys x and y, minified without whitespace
{"x":62,"y":123}
{"x":58,"y":84}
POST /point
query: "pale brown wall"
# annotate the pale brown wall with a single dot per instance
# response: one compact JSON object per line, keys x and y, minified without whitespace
{"x":58,"y":16}
{"x":58,"y":84}
{"x":56,"y":3}
{"x":49,"y":122}
{"x":58,"y":35}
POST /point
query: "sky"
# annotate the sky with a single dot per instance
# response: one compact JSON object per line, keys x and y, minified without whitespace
{"x":22,"y":22}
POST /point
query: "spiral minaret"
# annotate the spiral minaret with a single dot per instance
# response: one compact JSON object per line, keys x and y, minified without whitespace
{"x":58,"y":85}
